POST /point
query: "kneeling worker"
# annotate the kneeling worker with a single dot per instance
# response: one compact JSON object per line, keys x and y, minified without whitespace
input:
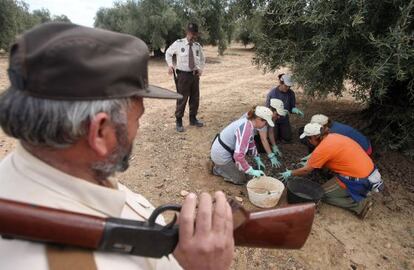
{"x":339,"y":128}
{"x":284,"y":92}
{"x":356,"y":174}
{"x":265,"y":134}
{"x":230,"y":146}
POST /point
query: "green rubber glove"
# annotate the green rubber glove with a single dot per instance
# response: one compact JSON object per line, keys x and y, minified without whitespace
{"x":259,"y":163}
{"x":255,"y":173}
{"x":304,"y":161}
{"x":273,"y":159}
{"x":298,"y":112}
{"x":276,"y":150}
{"x":306,"y":158}
{"x":285,"y":175}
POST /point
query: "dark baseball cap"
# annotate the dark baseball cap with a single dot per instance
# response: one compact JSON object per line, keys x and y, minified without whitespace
{"x":64,"y":61}
{"x":192,"y":27}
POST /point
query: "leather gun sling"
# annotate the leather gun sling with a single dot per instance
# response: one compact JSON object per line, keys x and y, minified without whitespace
{"x":63,"y":258}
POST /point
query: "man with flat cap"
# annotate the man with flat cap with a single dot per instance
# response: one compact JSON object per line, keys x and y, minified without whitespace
{"x":189,"y":67}
{"x":74,"y":105}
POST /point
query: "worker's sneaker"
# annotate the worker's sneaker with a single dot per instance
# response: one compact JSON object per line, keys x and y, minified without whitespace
{"x":179,"y":125}
{"x":366,"y":210}
{"x":195,"y":122}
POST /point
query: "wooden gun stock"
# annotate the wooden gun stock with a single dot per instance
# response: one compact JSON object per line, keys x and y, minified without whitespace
{"x":286,"y":227}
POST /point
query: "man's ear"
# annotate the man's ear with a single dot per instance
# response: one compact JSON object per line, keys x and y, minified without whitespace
{"x":101,"y":134}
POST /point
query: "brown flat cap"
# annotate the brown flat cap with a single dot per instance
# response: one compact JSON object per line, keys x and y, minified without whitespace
{"x":70,"y":62}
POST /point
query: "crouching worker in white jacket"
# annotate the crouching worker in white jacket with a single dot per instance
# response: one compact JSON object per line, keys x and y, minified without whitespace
{"x":231,"y":145}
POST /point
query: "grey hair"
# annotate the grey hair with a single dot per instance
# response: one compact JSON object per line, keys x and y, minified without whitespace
{"x":54,"y":123}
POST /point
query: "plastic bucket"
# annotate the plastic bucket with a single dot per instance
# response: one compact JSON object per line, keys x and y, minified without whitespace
{"x":300,"y":190}
{"x":265,"y":191}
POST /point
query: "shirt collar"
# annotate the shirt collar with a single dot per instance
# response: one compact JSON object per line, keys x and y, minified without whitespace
{"x":187,"y":42}
{"x":108,"y":201}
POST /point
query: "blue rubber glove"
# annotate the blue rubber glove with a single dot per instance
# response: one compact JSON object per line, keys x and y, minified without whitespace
{"x":285,"y":175}
{"x":273,"y":159}
{"x":298,"y":112}
{"x":259,"y":163}
{"x":255,"y":173}
{"x":276,"y":150}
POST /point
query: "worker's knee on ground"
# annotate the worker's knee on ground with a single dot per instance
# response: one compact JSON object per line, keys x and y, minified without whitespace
{"x":343,"y":200}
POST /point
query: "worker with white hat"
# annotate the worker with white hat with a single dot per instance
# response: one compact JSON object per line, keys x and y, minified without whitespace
{"x":231,"y":145}
{"x":339,"y":128}
{"x":355,"y":173}
{"x":284,"y":93}
{"x":265,"y":134}
{"x":346,"y":130}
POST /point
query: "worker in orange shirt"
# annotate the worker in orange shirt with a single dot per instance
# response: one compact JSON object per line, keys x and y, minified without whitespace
{"x":355,"y":173}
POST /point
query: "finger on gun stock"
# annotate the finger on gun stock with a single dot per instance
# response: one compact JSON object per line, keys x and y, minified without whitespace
{"x":240,"y":215}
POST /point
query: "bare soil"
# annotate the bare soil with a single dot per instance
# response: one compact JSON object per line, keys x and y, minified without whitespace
{"x":165,"y":162}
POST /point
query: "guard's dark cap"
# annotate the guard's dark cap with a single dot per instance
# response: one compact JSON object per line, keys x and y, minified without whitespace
{"x":70,"y":62}
{"x":192,"y":27}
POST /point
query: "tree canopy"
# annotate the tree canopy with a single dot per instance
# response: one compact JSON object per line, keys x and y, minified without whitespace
{"x":160,"y":22}
{"x":15,"y":18}
{"x":367,"y":43}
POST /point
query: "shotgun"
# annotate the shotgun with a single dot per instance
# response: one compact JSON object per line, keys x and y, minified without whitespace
{"x":287,"y":227}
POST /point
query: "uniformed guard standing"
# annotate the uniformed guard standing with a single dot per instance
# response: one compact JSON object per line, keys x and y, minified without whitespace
{"x":189,"y":67}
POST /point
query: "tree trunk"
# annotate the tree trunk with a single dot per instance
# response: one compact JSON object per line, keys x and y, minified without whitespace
{"x":391,"y":117}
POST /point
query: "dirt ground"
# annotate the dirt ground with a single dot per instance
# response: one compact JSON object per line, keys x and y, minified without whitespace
{"x":165,"y":162}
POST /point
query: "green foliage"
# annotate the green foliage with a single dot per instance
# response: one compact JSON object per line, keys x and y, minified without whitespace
{"x":110,"y":18}
{"x":160,"y":22}
{"x":248,"y":17}
{"x":213,"y":19}
{"x":60,"y":18}
{"x":368,"y":43}
{"x":16,"y":18}
{"x":249,"y":28}
{"x":154,"y":21}
{"x":42,"y":15}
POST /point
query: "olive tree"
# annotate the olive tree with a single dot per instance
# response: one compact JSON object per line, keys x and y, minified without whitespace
{"x":367,"y":43}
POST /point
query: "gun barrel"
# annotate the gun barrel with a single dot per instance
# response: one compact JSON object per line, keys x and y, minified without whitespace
{"x":37,"y":223}
{"x":283,"y":228}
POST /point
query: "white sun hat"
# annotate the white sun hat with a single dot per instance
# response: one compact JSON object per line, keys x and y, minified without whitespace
{"x":311,"y":129}
{"x":320,"y":119}
{"x":265,"y":113}
{"x":287,"y":79}
{"x":278,"y":105}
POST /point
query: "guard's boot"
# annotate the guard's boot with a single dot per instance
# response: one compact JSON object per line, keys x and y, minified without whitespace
{"x":179,"y":125}
{"x":195,"y":122}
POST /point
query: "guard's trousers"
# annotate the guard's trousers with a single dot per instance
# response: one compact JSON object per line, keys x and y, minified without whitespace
{"x":188,"y":86}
